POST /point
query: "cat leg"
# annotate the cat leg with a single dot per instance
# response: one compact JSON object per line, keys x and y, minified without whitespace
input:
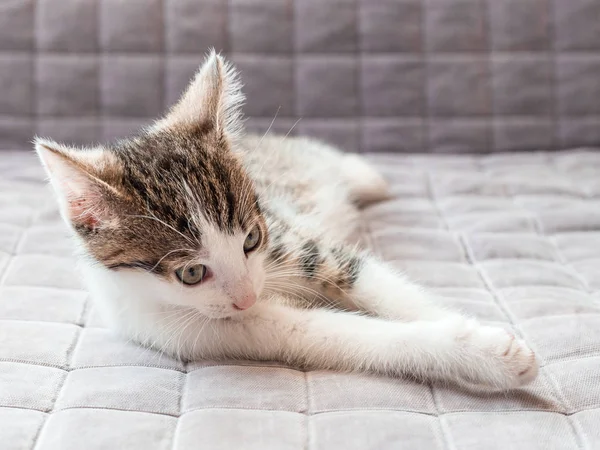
{"x":353,"y":280}
{"x":365,"y":183}
{"x":360,"y":281}
{"x":382,"y":291}
{"x":452,"y":349}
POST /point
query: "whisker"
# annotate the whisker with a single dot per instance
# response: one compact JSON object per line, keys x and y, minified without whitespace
{"x":302,"y":288}
{"x":172,"y":329}
{"x":162,"y":331}
{"x":200,"y":332}
{"x":260,"y":141}
{"x":268,"y":129}
{"x":167,"y":254}
{"x":188,"y":323}
{"x":303,"y":295}
{"x":163,"y":223}
{"x":293,"y":126}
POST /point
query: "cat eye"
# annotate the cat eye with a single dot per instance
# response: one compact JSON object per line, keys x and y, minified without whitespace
{"x":191,"y":275}
{"x":252,"y":240}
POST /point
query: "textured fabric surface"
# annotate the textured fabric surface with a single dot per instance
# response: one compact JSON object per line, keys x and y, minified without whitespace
{"x":511,"y":239}
{"x":367,"y":75}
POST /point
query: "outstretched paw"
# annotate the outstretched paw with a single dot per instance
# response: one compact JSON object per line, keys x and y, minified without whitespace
{"x":506,"y":362}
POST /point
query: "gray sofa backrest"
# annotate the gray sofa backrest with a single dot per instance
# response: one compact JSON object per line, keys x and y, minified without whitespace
{"x":368,"y":75}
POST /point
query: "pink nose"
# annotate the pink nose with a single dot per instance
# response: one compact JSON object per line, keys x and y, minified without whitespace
{"x":245,"y":302}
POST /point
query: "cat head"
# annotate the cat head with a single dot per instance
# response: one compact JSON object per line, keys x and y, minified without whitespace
{"x":170,"y":215}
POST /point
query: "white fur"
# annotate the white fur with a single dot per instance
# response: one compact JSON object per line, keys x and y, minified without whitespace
{"x":451,"y":348}
{"x":411,"y":333}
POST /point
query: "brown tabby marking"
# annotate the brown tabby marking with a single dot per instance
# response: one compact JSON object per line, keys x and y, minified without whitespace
{"x":163,"y":179}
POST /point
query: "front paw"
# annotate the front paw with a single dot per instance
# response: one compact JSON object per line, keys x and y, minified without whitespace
{"x":499,"y":359}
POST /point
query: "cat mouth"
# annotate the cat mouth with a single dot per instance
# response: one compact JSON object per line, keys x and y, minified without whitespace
{"x":226,"y":313}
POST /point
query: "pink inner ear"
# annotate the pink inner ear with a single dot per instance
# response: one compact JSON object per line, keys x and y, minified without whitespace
{"x":82,"y":195}
{"x":81,"y":212}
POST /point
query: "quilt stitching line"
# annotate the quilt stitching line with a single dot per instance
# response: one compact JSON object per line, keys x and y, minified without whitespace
{"x":320,"y":413}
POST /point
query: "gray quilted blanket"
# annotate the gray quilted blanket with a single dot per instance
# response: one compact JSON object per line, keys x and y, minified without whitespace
{"x":512,"y":239}
{"x":366,"y":75}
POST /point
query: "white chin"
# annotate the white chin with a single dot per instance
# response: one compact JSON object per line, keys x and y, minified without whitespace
{"x":223,"y":314}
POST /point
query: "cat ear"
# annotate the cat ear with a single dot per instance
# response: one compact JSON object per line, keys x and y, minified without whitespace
{"x":214,"y":97}
{"x":75,"y":177}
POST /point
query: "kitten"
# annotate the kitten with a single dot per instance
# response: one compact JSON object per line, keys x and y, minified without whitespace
{"x":205,"y":243}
